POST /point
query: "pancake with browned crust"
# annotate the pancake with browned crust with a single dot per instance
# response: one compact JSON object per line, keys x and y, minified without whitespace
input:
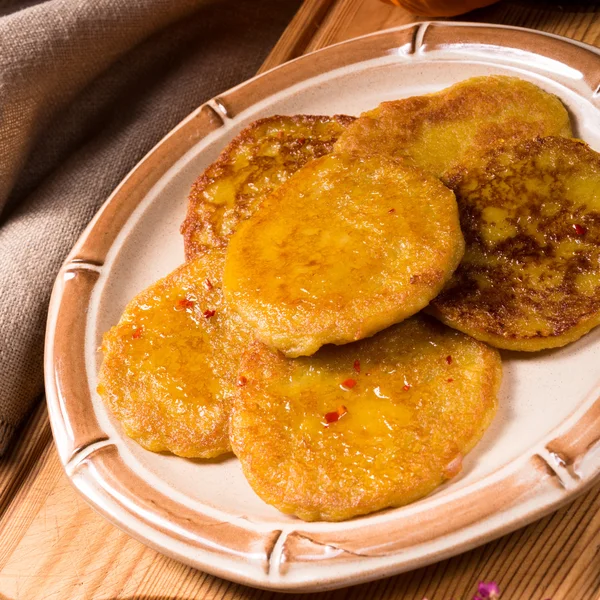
{"x":169,"y":365}
{"x":346,"y":247}
{"x":255,"y":162}
{"x":453,"y":128}
{"x":530,"y":278}
{"x":357,"y":428}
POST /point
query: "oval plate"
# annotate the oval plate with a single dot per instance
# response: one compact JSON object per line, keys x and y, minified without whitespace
{"x":542,"y":449}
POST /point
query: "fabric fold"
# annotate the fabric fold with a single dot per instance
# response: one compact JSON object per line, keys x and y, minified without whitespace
{"x":49,"y":51}
{"x":80,"y":105}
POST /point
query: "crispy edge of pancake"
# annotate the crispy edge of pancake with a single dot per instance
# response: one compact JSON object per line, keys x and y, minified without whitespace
{"x":569,"y":330}
{"x":200,"y":216}
{"x":251,"y":436}
{"x":455,"y":104}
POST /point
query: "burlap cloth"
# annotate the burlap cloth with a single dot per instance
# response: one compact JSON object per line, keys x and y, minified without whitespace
{"x":86,"y":89}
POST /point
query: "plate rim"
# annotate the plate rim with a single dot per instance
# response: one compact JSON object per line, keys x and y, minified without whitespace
{"x":92,"y":462}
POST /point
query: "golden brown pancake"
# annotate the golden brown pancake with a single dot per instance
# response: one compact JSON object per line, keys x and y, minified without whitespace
{"x":346,"y":247}
{"x":452,"y":128}
{"x":257,"y":161}
{"x":169,"y":365}
{"x":530,"y":278}
{"x":357,"y":428}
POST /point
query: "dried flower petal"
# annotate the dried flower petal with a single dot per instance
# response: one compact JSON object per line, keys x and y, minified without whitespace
{"x":488,"y":590}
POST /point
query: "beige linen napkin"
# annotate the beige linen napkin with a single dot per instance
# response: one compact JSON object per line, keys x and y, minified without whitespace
{"x":86,"y":89}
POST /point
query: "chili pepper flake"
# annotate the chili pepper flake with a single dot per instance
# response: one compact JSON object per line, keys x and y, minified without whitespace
{"x":209,"y":313}
{"x":349,"y":383}
{"x":242,"y":381}
{"x":137,"y":333}
{"x":184,"y":304}
{"x":356,"y":366}
{"x":579,"y":229}
{"x":208,"y":285}
{"x":392,"y":210}
{"x":406,"y":387}
{"x":449,"y":359}
{"x":450,"y":380}
{"x":332,"y":417}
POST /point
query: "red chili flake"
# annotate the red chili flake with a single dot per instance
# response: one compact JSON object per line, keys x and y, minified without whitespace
{"x":406,"y":387}
{"x":137,"y":333}
{"x":349,"y":383}
{"x":242,"y":381}
{"x":449,"y":359}
{"x":450,"y":380}
{"x":185,"y":303}
{"x":332,"y":417}
{"x":356,"y":365}
{"x":341,"y":410}
{"x":301,"y":140}
{"x":579,"y":229}
{"x":392,"y":210}
{"x":209,"y":313}
{"x":208,"y":285}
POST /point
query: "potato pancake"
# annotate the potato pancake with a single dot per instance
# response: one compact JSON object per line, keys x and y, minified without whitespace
{"x":365,"y":426}
{"x":258,"y":160}
{"x":169,"y":365}
{"x":451,"y":129}
{"x":530,"y":278}
{"x":346,"y":247}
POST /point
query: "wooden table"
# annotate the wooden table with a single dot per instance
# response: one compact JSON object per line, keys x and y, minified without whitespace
{"x":54,"y":546}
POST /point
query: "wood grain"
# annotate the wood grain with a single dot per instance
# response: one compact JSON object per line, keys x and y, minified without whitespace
{"x":299,"y":33}
{"x":54,"y":547}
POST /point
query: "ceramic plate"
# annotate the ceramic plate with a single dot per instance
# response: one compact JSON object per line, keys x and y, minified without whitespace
{"x":542,"y":449}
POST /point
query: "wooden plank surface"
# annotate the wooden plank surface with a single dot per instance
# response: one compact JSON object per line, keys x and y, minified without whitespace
{"x":54,"y":547}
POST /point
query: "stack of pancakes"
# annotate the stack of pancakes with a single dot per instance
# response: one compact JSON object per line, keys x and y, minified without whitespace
{"x":295,"y":333}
